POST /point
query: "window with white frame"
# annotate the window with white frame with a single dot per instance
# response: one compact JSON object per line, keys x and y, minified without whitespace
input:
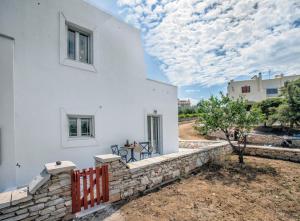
{"x":81,"y":126}
{"x":79,"y":45}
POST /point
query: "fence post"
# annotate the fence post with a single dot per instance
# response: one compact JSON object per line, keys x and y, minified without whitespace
{"x":105,"y":184}
{"x":116,"y":171}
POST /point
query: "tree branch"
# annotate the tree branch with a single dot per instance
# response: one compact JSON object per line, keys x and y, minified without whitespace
{"x":228,"y":138}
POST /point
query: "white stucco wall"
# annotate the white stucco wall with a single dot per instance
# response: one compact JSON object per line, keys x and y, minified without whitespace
{"x":117,"y":94}
{"x":7,"y":154}
{"x":258,"y":87}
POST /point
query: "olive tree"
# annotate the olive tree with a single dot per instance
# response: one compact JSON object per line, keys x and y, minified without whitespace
{"x":269,"y":108}
{"x":289,"y":111}
{"x":224,"y":114}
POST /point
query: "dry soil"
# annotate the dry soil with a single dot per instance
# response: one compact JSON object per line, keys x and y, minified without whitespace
{"x":263,"y":189}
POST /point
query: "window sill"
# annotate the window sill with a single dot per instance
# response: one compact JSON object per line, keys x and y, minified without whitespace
{"x":80,"y":138}
{"x":79,"y":142}
{"x":79,"y":65}
{"x":69,"y":142}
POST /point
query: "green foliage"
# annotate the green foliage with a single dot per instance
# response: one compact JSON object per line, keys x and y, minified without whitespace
{"x":291,"y":93}
{"x":282,"y":114}
{"x":182,"y":116}
{"x":224,"y":114}
{"x":285,"y":109}
{"x":187,"y":110}
{"x":269,"y":107}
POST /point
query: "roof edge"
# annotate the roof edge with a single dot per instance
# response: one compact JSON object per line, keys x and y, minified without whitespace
{"x":160,"y":82}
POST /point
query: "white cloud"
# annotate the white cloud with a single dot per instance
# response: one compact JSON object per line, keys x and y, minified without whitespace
{"x":192,"y":90}
{"x":209,"y":42}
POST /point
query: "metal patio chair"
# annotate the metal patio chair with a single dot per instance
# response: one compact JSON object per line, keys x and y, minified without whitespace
{"x":119,"y":151}
{"x":146,"y":150}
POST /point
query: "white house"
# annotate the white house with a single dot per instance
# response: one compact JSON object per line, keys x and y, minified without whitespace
{"x":257,"y":89}
{"x":72,"y":83}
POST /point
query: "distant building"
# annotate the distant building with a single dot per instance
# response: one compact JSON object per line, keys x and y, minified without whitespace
{"x":256,"y":89}
{"x":184,"y":103}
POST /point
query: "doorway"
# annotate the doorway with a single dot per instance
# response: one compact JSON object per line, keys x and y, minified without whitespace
{"x":154,"y":125}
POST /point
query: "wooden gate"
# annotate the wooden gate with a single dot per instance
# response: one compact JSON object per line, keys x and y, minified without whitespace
{"x":89,"y":187}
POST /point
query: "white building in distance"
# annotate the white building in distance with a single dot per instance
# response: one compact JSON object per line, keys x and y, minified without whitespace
{"x":257,"y":89}
{"x":184,"y":103}
{"x":72,"y":83}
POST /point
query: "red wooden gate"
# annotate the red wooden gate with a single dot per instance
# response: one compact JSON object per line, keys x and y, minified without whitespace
{"x":89,"y":187}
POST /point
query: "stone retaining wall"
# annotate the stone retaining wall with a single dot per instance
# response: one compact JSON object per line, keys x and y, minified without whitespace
{"x":263,"y":139}
{"x":48,"y":196}
{"x":260,"y":139}
{"x":131,"y":179}
{"x":187,"y":119}
{"x":196,"y":144}
{"x":274,"y":152}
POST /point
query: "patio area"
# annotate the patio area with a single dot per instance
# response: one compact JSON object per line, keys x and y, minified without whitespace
{"x":136,"y":151}
{"x":133,"y":178}
{"x":131,"y":152}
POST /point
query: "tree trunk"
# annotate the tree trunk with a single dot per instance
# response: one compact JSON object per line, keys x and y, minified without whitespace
{"x":237,"y":149}
{"x":228,"y":139}
{"x":241,"y":157}
{"x":291,"y":124}
{"x":242,"y":150}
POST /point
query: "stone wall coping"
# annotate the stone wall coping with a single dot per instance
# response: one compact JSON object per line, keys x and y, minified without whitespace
{"x":54,"y":169}
{"x":5,"y":199}
{"x":107,"y":158}
{"x":202,"y":141}
{"x":20,"y":195}
{"x":51,"y":201}
{"x":183,"y":152}
{"x":274,"y":148}
{"x":207,"y":143}
{"x":221,"y":143}
{"x":14,"y":197}
{"x":38,"y":181}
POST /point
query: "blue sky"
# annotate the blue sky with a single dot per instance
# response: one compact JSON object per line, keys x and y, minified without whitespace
{"x":199,"y":45}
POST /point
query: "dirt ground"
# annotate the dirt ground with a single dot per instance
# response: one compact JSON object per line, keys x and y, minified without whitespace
{"x":262,"y":190}
{"x":187,"y":131}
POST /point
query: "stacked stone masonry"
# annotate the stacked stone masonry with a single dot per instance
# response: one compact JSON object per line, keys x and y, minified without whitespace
{"x":274,"y":153}
{"x":48,"y":196}
{"x":50,"y":201}
{"x":196,"y":144}
{"x":132,"y":179}
{"x":261,"y":139}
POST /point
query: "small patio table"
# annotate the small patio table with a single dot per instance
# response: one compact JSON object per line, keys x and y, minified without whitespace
{"x":131,"y":148}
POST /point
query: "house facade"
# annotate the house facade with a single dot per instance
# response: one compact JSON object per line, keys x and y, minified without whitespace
{"x":257,"y":89}
{"x":72,"y":83}
{"x":184,"y":103}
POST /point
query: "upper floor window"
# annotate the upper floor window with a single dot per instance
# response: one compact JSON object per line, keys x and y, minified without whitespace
{"x":79,"y":45}
{"x":81,"y":126}
{"x":71,"y":44}
{"x":245,"y":89}
{"x":272,"y":91}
